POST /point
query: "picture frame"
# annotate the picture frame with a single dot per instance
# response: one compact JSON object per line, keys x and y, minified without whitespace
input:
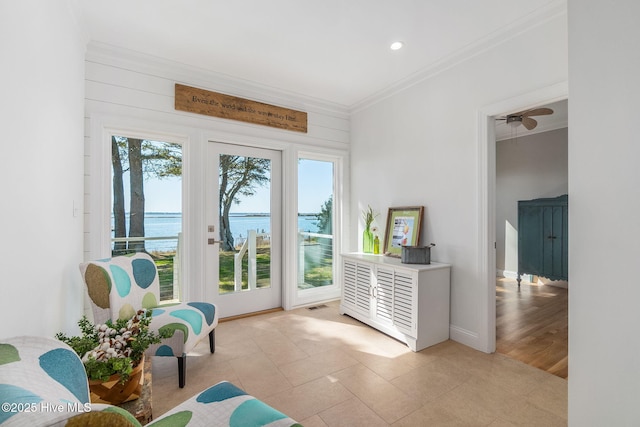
{"x":403,"y":229}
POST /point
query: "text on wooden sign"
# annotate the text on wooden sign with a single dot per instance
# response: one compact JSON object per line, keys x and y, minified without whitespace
{"x":215,"y":104}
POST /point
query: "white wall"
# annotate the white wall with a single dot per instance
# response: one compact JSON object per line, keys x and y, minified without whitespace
{"x":135,"y":92}
{"x":420,"y":147}
{"x":41,"y":109}
{"x":527,"y":168}
{"x":604,"y":219}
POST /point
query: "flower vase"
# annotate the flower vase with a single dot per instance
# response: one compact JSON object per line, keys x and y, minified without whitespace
{"x":367,"y":241}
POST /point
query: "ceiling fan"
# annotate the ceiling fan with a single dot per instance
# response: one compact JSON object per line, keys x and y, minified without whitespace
{"x":524,"y":117}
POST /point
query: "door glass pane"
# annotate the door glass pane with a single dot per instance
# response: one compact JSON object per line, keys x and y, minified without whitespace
{"x":245,"y":223}
{"x":315,"y":223}
{"x":147,"y":205}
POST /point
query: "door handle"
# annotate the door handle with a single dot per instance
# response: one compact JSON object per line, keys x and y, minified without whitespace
{"x":212,"y":240}
{"x":551,"y":237}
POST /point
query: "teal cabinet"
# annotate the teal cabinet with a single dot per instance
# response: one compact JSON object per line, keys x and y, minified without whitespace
{"x":543,"y":243}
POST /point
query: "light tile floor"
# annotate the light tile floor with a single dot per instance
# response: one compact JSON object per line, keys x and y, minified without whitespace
{"x":324,"y":369}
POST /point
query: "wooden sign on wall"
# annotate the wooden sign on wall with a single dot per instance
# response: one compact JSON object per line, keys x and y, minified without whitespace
{"x":215,"y":104}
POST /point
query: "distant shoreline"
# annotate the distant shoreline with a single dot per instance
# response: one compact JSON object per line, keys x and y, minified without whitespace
{"x":169,"y":224}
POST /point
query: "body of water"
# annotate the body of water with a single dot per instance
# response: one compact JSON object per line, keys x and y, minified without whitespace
{"x":169,"y":224}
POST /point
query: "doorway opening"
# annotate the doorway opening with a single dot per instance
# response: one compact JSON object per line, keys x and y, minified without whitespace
{"x":244,"y":237}
{"x":486,"y":339}
{"x":542,"y":344}
{"x":531,"y":219}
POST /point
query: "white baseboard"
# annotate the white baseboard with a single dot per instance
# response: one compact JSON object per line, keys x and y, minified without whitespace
{"x":514,"y":275}
{"x":465,"y":337}
{"x":557,"y":283}
{"x":529,"y":278}
{"x":507,"y":274}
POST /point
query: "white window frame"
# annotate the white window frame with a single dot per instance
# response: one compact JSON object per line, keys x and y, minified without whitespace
{"x":194,"y":141}
{"x":298,"y":298}
{"x":98,"y":210}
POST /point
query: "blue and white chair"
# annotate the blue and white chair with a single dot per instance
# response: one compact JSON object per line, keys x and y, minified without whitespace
{"x":120,"y":286}
{"x":43,"y":383}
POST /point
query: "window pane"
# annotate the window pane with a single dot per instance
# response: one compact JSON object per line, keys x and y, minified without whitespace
{"x":147,"y":205}
{"x":245,"y":223}
{"x":315,"y":223}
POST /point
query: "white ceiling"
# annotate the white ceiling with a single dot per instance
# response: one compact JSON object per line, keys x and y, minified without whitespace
{"x":331,"y":50}
{"x":559,"y":119}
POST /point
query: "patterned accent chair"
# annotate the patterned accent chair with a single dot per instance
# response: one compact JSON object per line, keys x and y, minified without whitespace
{"x":121,"y":285}
{"x":43,"y":383}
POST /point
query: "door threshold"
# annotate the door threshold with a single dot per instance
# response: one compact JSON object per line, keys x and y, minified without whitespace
{"x":255,"y":313}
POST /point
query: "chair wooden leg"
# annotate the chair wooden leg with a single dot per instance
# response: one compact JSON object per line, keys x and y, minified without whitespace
{"x":182,"y":370}
{"x":212,"y":341}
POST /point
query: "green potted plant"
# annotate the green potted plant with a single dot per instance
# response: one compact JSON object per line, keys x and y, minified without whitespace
{"x":113,"y":353}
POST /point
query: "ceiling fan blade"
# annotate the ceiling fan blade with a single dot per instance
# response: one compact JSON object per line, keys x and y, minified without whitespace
{"x":538,"y":112}
{"x":529,"y":123}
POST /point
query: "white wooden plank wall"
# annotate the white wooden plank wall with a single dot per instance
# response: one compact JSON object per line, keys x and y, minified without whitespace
{"x":124,"y":84}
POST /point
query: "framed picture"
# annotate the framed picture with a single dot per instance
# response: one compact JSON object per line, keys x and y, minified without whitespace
{"x":403,"y":229}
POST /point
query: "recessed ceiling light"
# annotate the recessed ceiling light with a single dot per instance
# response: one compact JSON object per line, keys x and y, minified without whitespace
{"x":396,"y":45}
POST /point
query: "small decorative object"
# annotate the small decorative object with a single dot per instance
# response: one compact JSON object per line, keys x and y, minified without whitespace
{"x":113,"y":355}
{"x":416,"y":254}
{"x":367,"y":235}
{"x":376,"y":245}
{"x":403,"y":229}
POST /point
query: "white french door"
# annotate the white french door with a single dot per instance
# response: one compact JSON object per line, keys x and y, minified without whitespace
{"x":244,"y":228}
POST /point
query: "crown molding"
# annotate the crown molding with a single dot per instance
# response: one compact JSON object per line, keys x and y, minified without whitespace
{"x":553,"y":10}
{"x":161,"y":67}
{"x":107,"y":54}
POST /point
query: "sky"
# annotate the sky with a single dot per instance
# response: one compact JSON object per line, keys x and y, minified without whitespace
{"x":315,"y":186}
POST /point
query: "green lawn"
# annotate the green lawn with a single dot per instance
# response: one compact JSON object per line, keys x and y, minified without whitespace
{"x":316,"y":274}
{"x":263,"y":275}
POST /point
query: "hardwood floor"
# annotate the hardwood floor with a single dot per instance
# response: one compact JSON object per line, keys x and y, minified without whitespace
{"x":532,"y":324}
